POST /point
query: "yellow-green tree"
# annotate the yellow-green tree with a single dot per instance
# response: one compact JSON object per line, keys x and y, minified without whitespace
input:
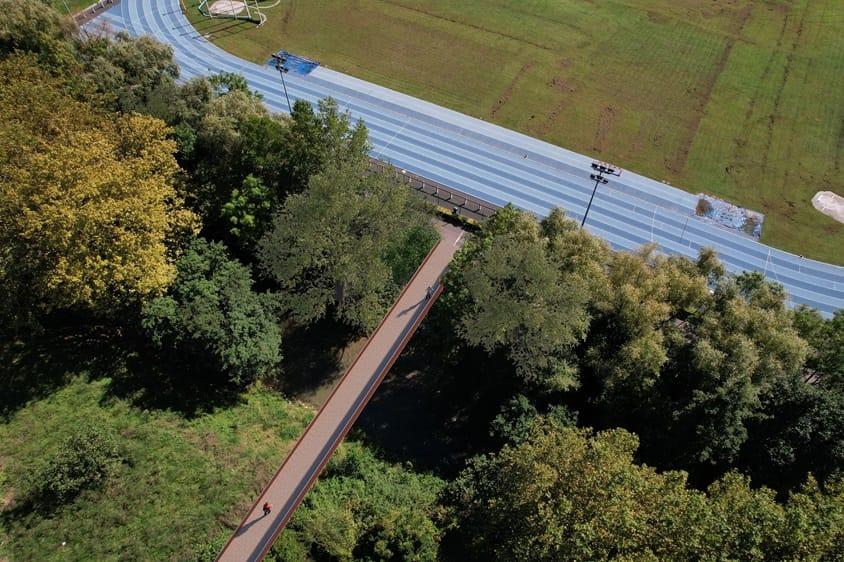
{"x":89,"y":215}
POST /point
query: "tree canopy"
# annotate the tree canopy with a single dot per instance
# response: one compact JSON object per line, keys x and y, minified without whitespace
{"x":328,"y":245}
{"x":211,"y":318}
{"x":366,"y":509}
{"x":89,"y":213}
{"x":523,"y":297}
{"x":563,"y":493}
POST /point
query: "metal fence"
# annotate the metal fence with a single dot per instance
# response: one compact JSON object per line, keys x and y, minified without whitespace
{"x":452,"y":199}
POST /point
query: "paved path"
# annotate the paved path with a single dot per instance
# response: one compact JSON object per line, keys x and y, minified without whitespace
{"x":492,"y":163}
{"x":290,"y":484}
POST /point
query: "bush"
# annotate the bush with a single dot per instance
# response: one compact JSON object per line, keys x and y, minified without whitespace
{"x":86,"y":459}
{"x":703,"y":208}
{"x":212,"y":321}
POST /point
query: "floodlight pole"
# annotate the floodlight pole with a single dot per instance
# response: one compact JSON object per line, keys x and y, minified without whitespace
{"x":599,"y":179}
{"x":282,"y":69}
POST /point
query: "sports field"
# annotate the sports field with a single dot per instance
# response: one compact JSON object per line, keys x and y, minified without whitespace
{"x":742,"y":99}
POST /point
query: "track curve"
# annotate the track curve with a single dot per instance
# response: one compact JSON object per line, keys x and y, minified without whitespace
{"x":496,"y":164}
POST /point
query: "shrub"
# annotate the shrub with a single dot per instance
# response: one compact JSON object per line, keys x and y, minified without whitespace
{"x":703,"y":208}
{"x":86,"y":459}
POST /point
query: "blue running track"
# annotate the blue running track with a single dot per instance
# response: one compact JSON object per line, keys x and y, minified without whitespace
{"x":495,"y":164}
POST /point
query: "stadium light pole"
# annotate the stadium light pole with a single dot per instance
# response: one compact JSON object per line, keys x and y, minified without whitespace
{"x":280,"y":61}
{"x":602,"y":168}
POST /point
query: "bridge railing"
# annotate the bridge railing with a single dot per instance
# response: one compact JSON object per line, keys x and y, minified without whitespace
{"x":447,"y":197}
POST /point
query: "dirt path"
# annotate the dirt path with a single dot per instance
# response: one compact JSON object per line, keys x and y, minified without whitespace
{"x":257,"y":531}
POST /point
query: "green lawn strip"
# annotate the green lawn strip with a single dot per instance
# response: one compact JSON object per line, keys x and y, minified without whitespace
{"x":73,"y":5}
{"x":743,"y":101}
{"x":183,"y":480}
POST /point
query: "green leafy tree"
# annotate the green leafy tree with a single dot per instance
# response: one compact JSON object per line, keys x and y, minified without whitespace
{"x":128,"y":70}
{"x":248,"y":210}
{"x":567,"y":494}
{"x":826,"y":341}
{"x":365,"y":509}
{"x":85,"y":459}
{"x":800,"y":430}
{"x":328,"y":246}
{"x":211,"y":317}
{"x":317,"y":139}
{"x":740,"y":345}
{"x":31,"y":26}
{"x":522,"y":295}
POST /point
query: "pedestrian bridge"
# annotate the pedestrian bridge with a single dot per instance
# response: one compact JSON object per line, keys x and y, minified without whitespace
{"x":257,"y":532}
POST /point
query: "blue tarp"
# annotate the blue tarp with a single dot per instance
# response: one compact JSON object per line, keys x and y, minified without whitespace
{"x":294,"y":63}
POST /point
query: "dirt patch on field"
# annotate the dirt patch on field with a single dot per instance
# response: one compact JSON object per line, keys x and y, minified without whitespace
{"x":562,"y":86}
{"x":288,"y":14}
{"x":677,"y":163}
{"x":772,"y":118}
{"x":469,"y":25}
{"x":508,"y":91}
{"x":605,"y":122}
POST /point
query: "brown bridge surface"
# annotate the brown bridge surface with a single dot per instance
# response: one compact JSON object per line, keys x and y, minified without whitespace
{"x":288,"y":487}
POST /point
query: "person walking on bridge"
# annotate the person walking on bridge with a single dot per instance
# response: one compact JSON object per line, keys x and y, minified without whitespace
{"x":268,"y":508}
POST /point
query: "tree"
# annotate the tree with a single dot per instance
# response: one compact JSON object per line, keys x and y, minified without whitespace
{"x":89,"y":216}
{"x":322,"y":138}
{"x":800,"y":430}
{"x":31,"y":26}
{"x":86,"y":458}
{"x":826,"y":341}
{"x":522,"y":296}
{"x":210,"y":317}
{"x":128,"y":70}
{"x":740,"y":344}
{"x":365,"y":509}
{"x":236,"y":138}
{"x":248,"y":210}
{"x":569,"y":494}
{"x":566,"y":494}
{"x":328,"y":246}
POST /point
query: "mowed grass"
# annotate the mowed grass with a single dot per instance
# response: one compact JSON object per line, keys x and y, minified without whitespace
{"x":186,"y":480}
{"x":73,"y":6}
{"x":742,"y":99}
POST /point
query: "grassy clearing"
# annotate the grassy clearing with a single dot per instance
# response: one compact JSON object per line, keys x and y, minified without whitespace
{"x":184,"y":481}
{"x":738,"y":98}
{"x":73,"y":5}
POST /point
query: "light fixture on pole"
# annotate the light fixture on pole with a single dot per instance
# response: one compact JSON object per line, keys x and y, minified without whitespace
{"x":280,"y":61}
{"x":602,"y":168}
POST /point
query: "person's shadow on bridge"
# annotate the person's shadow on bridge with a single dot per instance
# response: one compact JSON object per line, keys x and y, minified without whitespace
{"x":413,"y":307}
{"x":248,"y":526}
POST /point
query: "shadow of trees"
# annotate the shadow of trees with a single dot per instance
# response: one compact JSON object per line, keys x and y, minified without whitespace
{"x":35,"y":365}
{"x":313,"y":356}
{"x":436,"y":413}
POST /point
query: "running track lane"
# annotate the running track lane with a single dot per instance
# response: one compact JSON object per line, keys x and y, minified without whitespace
{"x":256,"y":533}
{"x":495,"y":164}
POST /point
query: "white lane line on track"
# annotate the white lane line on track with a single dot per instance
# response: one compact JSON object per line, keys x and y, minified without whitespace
{"x":391,"y":139}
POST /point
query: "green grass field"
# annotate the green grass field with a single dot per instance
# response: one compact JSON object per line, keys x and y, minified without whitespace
{"x":73,"y":5}
{"x":742,"y":99}
{"x":184,"y":480}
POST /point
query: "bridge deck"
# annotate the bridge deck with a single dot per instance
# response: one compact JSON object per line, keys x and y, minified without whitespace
{"x":290,"y":484}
